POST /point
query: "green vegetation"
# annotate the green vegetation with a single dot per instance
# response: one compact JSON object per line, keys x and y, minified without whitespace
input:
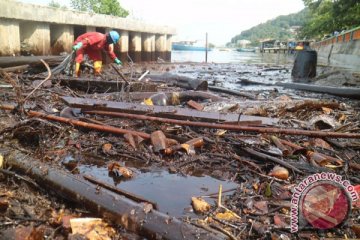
{"x":108,"y":7}
{"x":281,"y":28}
{"x":328,"y":16}
{"x":318,"y":19}
{"x":55,"y":4}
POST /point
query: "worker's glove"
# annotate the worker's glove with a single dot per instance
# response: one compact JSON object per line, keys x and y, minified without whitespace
{"x":77,"y":46}
{"x":117,"y":61}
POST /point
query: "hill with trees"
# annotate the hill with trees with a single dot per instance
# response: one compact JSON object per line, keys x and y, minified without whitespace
{"x":281,"y":28}
{"x":320,"y":18}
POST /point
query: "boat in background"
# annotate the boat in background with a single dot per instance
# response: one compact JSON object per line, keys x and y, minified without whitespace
{"x":246,"y":49}
{"x":224,"y":49}
{"x":188,"y":46}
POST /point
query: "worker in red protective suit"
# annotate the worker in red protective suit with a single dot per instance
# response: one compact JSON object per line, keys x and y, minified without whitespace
{"x":92,"y":43}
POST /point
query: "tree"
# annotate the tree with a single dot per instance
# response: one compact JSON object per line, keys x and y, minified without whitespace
{"x":55,"y":4}
{"x":82,"y":5}
{"x":327,"y":16}
{"x":347,"y":12}
{"x":108,"y":7}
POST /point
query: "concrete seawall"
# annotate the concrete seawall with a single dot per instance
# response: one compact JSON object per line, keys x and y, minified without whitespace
{"x":41,"y":30}
{"x":340,"y":51}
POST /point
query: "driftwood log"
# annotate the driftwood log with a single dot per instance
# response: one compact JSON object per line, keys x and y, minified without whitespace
{"x":184,"y":96}
{"x":337,"y":91}
{"x":16,"y":68}
{"x":232,"y":92}
{"x":114,"y":207}
{"x":347,"y":92}
{"x":32,"y":60}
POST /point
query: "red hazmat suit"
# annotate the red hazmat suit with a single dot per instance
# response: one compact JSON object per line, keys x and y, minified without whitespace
{"x":93,"y":43}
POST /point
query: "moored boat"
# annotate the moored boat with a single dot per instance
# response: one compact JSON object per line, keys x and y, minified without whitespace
{"x":188,"y":46}
{"x":245,"y":49}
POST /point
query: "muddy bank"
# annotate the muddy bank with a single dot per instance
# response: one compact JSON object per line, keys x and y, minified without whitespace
{"x":226,"y":183}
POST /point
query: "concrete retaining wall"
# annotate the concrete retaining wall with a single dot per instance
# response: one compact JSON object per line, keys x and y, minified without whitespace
{"x":345,"y":55}
{"x":340,"y":51}
{"x":29,"y":12}
{"x":42,"y":30}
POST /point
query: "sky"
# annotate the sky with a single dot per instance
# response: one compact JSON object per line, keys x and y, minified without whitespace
{"x":221,"y":19}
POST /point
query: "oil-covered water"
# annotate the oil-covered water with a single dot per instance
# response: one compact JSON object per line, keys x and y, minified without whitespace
{"x":171,"y":192}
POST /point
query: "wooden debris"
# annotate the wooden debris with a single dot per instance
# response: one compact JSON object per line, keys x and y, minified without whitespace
{"x":92,"y":228}
{"x":261,"y":207}
{"x":201,"y":144}
{"x":182,"y":95}
{"x":266,"y":157}
{"x":23,"y":233}
{"x":143,"y":75}
{"x":117,"y":70}
{"x":337,"y":91}
{"x":232,"y":92}
{"x":158,"y":140}
{"x":356,"y":230}
{"x":318,"y":142}
{"x":161,"y":111}
{"x":16,"y":68}
{"x":103,"y":128}
{"x":277,"y":142}
{"x":322,"y":159}
{"x":313,"y":105}
{"x":98,"y":86}
{"x":23,"y":60}
{"x":130,"y":139}
{"x":4,"y":204}
{"x":1,"y":161}
{"x":195,"y":105}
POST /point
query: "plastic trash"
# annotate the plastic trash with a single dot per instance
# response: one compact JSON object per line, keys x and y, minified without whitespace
{"x":160,"y":99}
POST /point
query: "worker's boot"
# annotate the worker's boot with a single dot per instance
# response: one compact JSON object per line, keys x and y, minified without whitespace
{"x":77,"y":69}
{"x":97,"y":68}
